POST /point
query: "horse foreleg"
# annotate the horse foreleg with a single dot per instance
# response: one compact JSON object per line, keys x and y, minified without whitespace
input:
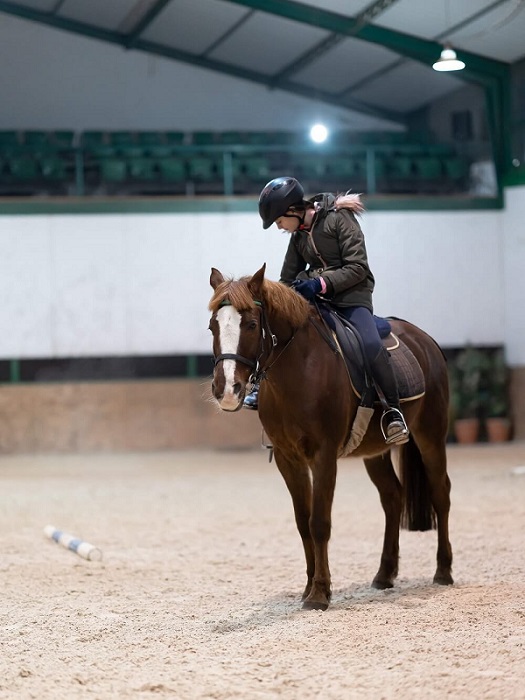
{"x":296,"y":475}
{"x":324,"y":470}
{"x":382,"y":474}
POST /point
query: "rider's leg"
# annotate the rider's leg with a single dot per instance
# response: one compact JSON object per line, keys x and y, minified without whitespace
{"x":251,"y":400}
{"x":392,"y":421}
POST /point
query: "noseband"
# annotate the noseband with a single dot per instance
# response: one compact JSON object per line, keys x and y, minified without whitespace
{"x":253,"y":364}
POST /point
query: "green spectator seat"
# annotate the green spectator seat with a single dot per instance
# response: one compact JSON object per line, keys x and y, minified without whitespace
{"x":121,"y":138}
{"x":308,"y":166}
{"x":455,"y":168}
{"x":175,"y":137}
{"x":53,"y":167}
{"x":342,"y":166}
{"x":379,"y":166}
{"x":428,"y":168}
{"x":257,"y":168}
{"x":9,"y":138}
{"x":102,"y":150}
{"x":231,"y":138}
{"x":203,"y":138}
{"x":159,"y":151}
{"x":256,"y":138}
{"x":401,"y":167}
{"x":96,"y":144}
{"x":202,"y":169}
{"x":281,"y":138}
{"x":37,"y":138}
{"x":23,"y":167}
{"x":94,"y":138}
{"x":63,"y":138}
{"x":438,"y":149}
{"x":141,"y":168}
{"x":150,"y":138}
{"x":129,"y":150}
{"x":113,"y":170}
{"x":172,"y":169}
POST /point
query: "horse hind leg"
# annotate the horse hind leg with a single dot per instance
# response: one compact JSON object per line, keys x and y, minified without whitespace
{"x":381,"y":472}
{"x":296,"y":475}
{"x":434,"y":458}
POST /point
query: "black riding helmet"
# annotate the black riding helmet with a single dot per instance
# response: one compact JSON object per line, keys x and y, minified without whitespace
{"x":277,"y":197}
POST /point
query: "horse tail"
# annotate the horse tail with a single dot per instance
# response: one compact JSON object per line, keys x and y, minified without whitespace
{"x":418,"y":512}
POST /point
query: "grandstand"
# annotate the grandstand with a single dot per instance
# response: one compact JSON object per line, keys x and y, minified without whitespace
{"x":166,"y":162}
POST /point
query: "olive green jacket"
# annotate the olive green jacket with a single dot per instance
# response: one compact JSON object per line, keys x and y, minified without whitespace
{"x":334,"y":248}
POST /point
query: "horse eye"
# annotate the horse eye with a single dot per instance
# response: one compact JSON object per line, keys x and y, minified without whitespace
{"x":252,"y":325}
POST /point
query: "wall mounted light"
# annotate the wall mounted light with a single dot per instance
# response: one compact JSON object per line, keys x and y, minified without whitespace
{"x":318,"y":133}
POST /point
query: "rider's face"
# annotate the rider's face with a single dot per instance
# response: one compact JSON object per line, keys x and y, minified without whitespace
{"x":289,"y":223}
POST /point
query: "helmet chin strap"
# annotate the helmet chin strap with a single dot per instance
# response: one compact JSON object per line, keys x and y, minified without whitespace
{"x":298,"y":217}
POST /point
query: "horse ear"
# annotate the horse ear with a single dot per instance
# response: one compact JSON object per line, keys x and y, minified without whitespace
{"x":255,"y":283}
{"x":216,"y":278}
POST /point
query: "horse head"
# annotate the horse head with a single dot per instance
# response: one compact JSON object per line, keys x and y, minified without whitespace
{"x":237,"y":325}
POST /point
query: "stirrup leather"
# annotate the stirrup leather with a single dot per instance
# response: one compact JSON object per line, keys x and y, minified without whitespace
{"x":395,"y":432}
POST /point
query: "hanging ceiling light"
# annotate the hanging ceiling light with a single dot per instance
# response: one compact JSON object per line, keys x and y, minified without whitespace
{"x":448,"y":61}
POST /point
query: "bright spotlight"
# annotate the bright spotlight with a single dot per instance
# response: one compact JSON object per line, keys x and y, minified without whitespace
{"x":318,"y":133}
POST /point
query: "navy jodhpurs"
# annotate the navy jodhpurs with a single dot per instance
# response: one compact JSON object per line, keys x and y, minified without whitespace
{"x":363,"y":320}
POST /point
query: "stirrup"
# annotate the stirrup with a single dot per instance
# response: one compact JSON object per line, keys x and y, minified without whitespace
{"x":251,"y":400}
{"x":396,"y":431}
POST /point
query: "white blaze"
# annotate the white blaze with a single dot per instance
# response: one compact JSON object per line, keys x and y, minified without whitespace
{"x":229,"y":334}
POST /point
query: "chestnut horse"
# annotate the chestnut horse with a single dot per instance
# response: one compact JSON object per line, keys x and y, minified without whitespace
{"x":307,"y":407}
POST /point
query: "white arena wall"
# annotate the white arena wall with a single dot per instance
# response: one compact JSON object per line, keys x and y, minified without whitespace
{"x":74,"y":286}
{"x":128,"y":284}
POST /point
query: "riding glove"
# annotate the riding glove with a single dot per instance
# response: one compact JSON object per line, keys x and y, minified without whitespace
{"x":308,"y":288}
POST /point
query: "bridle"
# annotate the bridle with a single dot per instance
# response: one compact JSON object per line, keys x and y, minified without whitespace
{"x":266,"y":332}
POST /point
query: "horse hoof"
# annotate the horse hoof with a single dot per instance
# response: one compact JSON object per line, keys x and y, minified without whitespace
{"x":443,"y":579}
{"x":381,"y":585}
{"x":313,"y":605}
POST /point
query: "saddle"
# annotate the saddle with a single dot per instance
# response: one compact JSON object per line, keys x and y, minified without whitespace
{"x":408,"y":373}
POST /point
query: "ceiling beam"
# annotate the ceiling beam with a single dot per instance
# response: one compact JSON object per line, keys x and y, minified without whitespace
{"x":425,"y":51}
{"x":119,"y":39}
{"x":57,"y":6}
{"x":401,"y":61}
{"x":331,"y":41}
{"x":148,"y":17}
{"x":220,"y":40}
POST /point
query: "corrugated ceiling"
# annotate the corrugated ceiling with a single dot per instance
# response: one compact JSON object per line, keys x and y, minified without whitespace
{"x":285,"y":44}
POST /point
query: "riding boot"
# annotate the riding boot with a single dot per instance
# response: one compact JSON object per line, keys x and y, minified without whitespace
{"x":393,"y":423}
{"x":251,"y":400}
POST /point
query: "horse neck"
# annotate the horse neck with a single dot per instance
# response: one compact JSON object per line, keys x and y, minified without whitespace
{"x":288,"y":343}
{"x":280,"y":328}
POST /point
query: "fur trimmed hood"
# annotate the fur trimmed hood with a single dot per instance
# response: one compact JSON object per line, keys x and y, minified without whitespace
{"x":326,"y":201}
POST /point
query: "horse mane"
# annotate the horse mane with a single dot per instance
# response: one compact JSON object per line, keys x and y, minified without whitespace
{"x":278,"y":300}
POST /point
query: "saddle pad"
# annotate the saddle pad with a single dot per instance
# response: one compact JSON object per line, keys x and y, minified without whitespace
{"x":409,"y":375}
{"x":410,"y":379}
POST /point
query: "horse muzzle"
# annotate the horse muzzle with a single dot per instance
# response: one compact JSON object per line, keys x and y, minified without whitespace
{"x":229,"y":393}
{"x":229,"y":398}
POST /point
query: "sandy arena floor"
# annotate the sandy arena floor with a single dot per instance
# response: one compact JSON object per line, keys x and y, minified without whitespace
{"x":198,"y":593}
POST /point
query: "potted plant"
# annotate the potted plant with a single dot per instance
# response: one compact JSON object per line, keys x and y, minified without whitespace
{"x":466,"y":399}
{"x":497,"y":420}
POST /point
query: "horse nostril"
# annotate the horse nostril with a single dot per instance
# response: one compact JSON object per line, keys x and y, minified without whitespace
{"x":236,"y":388}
